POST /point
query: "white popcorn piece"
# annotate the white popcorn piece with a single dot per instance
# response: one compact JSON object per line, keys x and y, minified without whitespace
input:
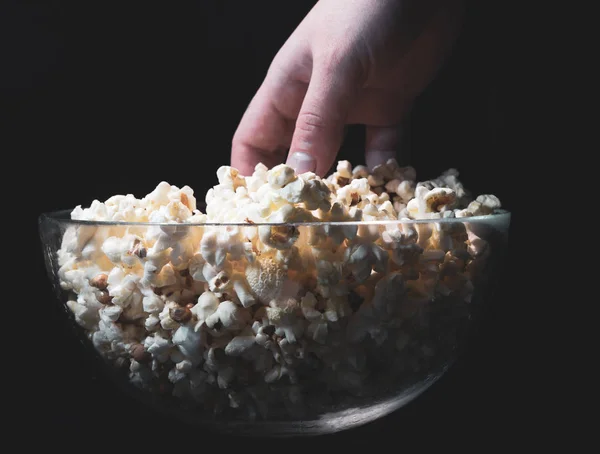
{"x":476,"y":245}
{"x":230,"y":177}
{"x":360,"y":172}
{"x":157,"y":345}
{"x":151,"y":322}
{"x":210,"y":273}
{"x":375,"y":180}
{"x":121,"y":250}
{"x":258,"y":178}
{"x":295,"y":192}
{"x":182,"y":252}
{"x":166,"y":322}
{"x":110,"y":313}
{"x":266,"y":277}
{"x":151,"y":302}
{"x":159,"y":196}
{"x":123,"y":288}
{"x":189,"y":343}
{"x":317,"y":193}
{"x":439,"y":199}
{"x":284,"y":236}
{"x":230,"y":316}
{"x":175,"y":375}
{"x":284,"y":318}
{"x":196,"y":267}
{"x":280,"y":175}
{"x":242,"y":290}
{"x":405,"y":190}
{"x":392,"y":185}
{"x":157,"y":275}
{"x":220,"y":282}
{"x":484,"y":205}
{"x":386,"y":171}
{"x":339,"y":233}
{"x":363,"y":258}
{"x":240,"y":343}
{"x":85,"y":316}
{"x":344,"y":169}
{"x":210,"y":251}
{"x":206,"y":306}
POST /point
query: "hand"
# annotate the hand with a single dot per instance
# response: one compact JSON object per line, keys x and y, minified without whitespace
{"x":348,"y":62}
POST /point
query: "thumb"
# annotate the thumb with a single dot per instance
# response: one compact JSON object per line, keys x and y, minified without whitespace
{"x":319,"y":130}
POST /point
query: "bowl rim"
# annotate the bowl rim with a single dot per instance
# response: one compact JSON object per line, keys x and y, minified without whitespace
{"x":64,"y":217}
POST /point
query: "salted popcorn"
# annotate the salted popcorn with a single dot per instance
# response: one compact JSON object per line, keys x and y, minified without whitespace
{"x":309,"y":282}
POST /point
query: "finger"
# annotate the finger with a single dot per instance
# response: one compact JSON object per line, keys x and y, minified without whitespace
{"x":265,"y":131}
{"x":381,"y":107}
{"x":381,"y":144}
{"x":320,"y":125}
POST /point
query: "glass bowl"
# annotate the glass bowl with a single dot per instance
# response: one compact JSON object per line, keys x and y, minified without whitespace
{"x":274,"y":329}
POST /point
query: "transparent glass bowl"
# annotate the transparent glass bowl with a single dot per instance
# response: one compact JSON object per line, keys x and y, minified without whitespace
{"x":345,"y":322}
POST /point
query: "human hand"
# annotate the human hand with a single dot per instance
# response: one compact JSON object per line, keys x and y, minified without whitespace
{"x":348,"y":62}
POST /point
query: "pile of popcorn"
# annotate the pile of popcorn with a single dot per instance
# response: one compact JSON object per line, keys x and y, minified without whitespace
{"x":292,"y":300}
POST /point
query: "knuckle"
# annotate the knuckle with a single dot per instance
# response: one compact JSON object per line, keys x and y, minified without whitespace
{"x":310,"y":122}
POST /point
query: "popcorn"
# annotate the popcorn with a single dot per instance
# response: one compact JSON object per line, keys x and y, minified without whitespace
{"x":360,"y":172}
{"x":230,"y":177}
{"x":284,"y":318}
{"x":258,"y":178}
{"x":151,"y":322}
{"x":242,"y":290}
{"x":405,"y":190}
{"x":295,"y":192}
{"x":123,"y":288}
{"x":229,"y":316}
{"x":241,"y":343}
{"x":189,"y":343}
{"x":225,"y":314}
{"x":276,"y":373}
{"x":483,"y":205}
{"x":166,"y":322}
{"x":317,"y":194}
{"x":110,"y":313}
{"x":439,"y":199}
{"x":86,"y":316}
{"x":375,"y":180}
{"x":280,"y":175}
{"x":339,"y":233}
{"x":285,"y":236}
{"x":176,"y":375}
{"x":158,"y":346}
{"x":266,"y":277}
{"x":363,"y":258}
{"x":151,"y":302}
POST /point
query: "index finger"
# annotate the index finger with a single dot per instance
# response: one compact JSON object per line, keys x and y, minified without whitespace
{"x":265,"y":131}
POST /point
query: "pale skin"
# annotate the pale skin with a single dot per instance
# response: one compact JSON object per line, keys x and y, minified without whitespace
{"x":348,"y":62}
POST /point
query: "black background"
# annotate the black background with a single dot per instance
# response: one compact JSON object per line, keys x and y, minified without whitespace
{"x":110,"y":98}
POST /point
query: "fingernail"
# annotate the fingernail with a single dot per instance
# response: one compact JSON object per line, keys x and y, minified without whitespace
{"x":302,"y":162}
